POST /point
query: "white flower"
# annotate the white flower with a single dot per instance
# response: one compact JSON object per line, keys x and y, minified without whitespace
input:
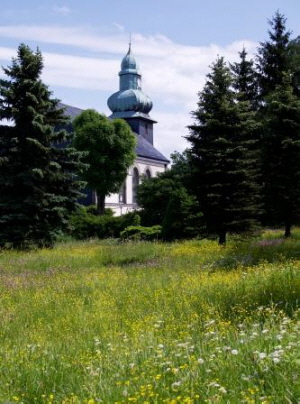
{"x":200,"y":361}
{"x":276,"y":359}
{"x":222,"y":390}
{"x":234,"y":352}
{"x":160,"y":346}
{"x":265,"y":331}
{"x":175,"y":384}
{"x":262,"y":355}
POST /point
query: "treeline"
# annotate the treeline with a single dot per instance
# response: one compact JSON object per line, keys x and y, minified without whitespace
{"x":242,"y":169}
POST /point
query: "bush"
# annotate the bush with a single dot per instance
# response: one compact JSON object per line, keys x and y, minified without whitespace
{"x":141,"y":233}
{"x":86,"y":223}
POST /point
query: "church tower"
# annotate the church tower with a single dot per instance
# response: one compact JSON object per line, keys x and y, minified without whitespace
{"x":130,"y":103}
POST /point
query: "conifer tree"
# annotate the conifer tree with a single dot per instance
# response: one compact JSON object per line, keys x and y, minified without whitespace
{"x":223,"y":156}
{"x":273,"y":59}
{"x":245,"y":79}
{"x":38,"y":187}
{"x":281,"y":147}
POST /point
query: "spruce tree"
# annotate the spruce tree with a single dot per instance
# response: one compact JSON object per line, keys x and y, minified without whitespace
{"x":273,"y":59}
{"x":223,"y":157}
{"x":281,"y":147}
{"x":245,"y":79}
{"x":38,"y":187}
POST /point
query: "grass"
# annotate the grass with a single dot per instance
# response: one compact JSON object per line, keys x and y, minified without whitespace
{"x":187,"y":322}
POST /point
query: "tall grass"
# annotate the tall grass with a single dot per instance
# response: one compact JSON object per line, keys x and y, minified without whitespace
{"x":151,"y":323}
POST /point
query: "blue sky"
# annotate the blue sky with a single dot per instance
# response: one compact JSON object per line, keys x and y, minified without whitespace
{"x":174,"y":42}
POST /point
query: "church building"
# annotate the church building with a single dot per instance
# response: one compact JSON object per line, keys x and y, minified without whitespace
{"x":132,"y":105}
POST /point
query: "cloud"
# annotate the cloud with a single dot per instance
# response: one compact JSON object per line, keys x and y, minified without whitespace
{"x":173,"y":74}
{"x":63,"y":10}
{"x":119,"y":27}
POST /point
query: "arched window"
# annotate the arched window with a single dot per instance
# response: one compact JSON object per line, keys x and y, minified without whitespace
{"x":122,"y":193}
{"x":147,"y":174}
{"x":135,"y":183}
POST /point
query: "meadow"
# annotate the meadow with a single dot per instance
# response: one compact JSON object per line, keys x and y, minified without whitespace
{"x":189,"y":322}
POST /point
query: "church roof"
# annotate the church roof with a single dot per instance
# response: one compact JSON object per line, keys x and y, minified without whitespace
{"x":143,"y":149}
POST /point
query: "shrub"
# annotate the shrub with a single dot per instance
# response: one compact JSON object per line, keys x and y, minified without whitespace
{"x":141,"y":233}
{"x":86,"y":223}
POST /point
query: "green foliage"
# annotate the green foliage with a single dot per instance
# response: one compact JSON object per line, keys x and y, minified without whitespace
{"x":38,"y":188}
{"x":294,"y":52}
{"x":245,"y":80}
{"x":274,"y":59}
{"x":224,"y":157}
{"x":110,"y":151}
{"x":165,"y":201}
{"x":138,"y":233}
{"x":281,"y":154}
{"x":86,"y":223}
{"x":182,"y":219}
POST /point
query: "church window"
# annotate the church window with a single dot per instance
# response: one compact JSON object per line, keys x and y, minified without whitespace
{"x":122,"y":194}
{"x":147,"y":173}
{"x":135,"y":183}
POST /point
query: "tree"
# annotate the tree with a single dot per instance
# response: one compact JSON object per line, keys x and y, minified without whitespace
{"x":245,"y":79}
{"x":294,"y":52}
{"x":224,"y":157}
{"x":110,"y":151}
{"x":281,"y":150}
{"x":273,"y":59}
{"x":38,"y":187}
{"x":165,"y":201}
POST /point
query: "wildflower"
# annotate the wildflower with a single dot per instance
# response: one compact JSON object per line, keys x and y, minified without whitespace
{"x":276,"y":359}
{"x":262,"y":355}
{"x":175,"y":384}
{"x":234,"y":352}
{"x":222,"y":390}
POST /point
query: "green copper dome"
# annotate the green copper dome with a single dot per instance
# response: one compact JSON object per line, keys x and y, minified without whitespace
{"x":129,"y":62}
{"x":130,"y":97}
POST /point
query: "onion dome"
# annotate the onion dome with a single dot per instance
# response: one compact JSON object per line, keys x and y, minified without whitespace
{"x":130,"y":97}
{"x":129,"y":62}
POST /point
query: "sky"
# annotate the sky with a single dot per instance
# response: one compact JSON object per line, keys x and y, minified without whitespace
{"x":174,"y":42}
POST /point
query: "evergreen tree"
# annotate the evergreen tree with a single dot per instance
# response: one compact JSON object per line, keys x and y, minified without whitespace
{"x":165,"y":201}
{"x":38,"y":189}
{"x":223,"y":156}
{"x":110,"y":151}
{"x":294,"y":51}
{"x":245,"y":79}
{"x":281,"y":143}
{"x":273,"y":59}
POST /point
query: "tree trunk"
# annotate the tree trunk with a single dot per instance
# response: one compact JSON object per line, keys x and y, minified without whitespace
{"x":287,"y":232}
{"x":100,"y":204}
{"x":222,"y":237}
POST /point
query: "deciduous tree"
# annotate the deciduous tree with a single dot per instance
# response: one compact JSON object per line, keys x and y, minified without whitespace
{"x":110,"y":151}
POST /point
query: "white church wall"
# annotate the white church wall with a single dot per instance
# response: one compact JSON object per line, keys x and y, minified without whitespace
{"x":142,"y":165}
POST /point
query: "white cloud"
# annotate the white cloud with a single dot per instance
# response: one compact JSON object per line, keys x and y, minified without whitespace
{"x":119,"y":27}
{"x":172,"y":73}
{"x":62,"y":10}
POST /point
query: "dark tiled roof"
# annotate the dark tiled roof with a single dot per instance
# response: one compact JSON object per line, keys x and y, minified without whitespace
{"x":72,"y":112}
{"x":143,"y":147}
